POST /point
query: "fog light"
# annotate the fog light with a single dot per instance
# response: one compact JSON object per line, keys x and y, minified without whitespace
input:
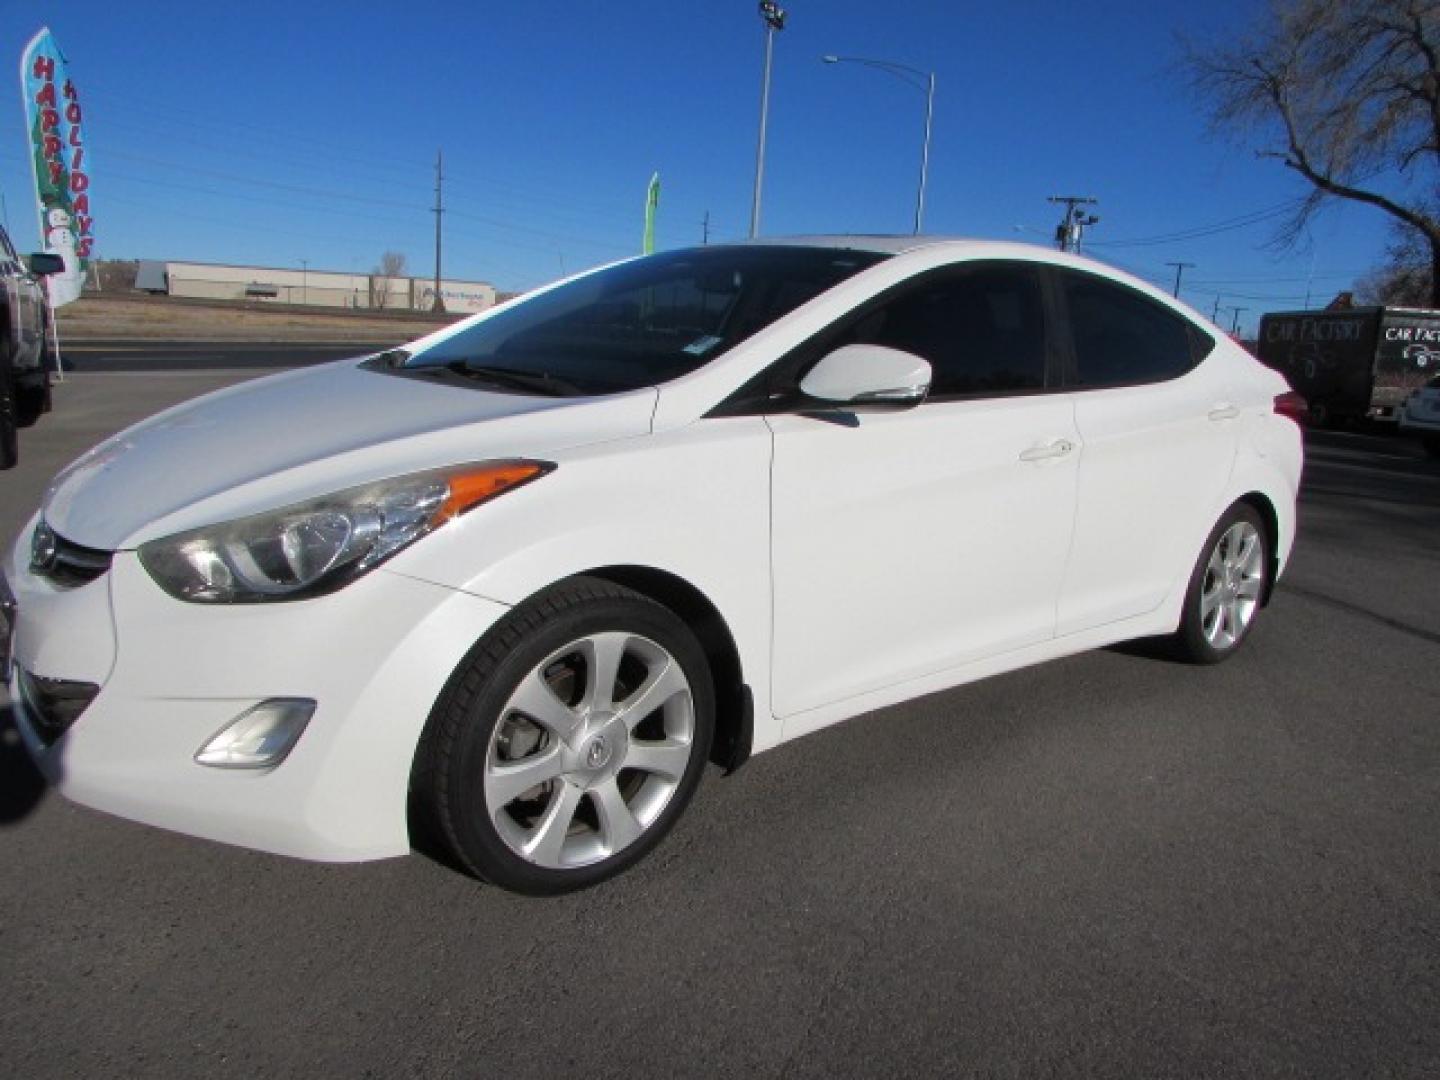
{"x":259,"y":738}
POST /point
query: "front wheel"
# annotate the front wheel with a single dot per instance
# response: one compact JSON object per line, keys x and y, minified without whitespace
{"x":1431,"y":443}
{"x":1226,"y":588}
{"x":569,"y":741}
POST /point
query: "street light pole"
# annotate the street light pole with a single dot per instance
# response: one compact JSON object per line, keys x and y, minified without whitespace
{"x":923,"y":81}
{"x":305,"y":281}
{"x":925,"y":154}
{"x":774,"y":18}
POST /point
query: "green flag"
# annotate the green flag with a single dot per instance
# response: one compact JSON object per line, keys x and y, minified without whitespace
{"x":652,"y":202}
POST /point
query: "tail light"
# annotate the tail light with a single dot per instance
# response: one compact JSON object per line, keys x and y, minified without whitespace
{"x":1293,"y":407}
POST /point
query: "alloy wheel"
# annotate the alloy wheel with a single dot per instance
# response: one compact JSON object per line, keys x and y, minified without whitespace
{"x":1234,"y":577}
{"x":589,"y":749}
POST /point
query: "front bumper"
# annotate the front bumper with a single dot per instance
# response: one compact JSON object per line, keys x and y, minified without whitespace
{"x":375,"y":655}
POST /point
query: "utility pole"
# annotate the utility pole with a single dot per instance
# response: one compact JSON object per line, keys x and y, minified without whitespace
{"x":1180,"y":268}
{"x":705,"y":229}
{"x":1235,"y":326}
{"x":305,"y":281}
{"x":774,"y":18}
{"x":1072,"y":227}
{"x":439,"y":304}
{"x":1215,"y":311}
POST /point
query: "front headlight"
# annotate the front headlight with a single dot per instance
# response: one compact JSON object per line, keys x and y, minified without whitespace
{"x":320,"y":545}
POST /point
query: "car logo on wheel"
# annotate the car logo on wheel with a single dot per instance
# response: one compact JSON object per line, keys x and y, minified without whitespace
{"x":597,"y":753}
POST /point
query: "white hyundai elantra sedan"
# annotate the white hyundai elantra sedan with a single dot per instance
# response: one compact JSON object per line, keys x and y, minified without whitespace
{"x":522,"y":579}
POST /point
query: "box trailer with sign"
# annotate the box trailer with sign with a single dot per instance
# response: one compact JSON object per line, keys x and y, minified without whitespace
{"x":1354,"y":364}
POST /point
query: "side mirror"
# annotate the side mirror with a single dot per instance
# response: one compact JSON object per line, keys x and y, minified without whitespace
{"x":868,"y":377}
{"x":45,"y":262}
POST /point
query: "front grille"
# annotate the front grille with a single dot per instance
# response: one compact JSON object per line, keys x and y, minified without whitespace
{"x":64,"y":562}
{"x":52,"y":705}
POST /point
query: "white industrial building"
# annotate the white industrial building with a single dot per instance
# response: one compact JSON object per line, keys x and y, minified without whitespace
{"x":314,"y":288}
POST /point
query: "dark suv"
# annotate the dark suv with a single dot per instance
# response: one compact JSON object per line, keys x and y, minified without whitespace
{"x":26,"y":357}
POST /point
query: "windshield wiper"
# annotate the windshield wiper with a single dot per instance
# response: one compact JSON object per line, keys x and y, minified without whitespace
{"x":539,"y":382}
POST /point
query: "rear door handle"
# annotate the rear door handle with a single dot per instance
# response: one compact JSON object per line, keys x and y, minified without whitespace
{"x":1224,"y":412}
{"x":1058,"y":448}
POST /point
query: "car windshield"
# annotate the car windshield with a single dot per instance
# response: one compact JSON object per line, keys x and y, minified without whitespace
{"x":637,"y":324}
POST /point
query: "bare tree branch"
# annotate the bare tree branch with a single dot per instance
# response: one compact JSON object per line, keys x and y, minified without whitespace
{"x":1345,"y":94}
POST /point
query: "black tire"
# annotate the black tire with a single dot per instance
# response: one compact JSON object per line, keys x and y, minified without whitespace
{"x":9,"y":434}
{"x":1431,"y":443}
{"x":32,"y":401}
{"x":464,"y":736}
{"x":32,"y":396}
{"x":1191,"y":642}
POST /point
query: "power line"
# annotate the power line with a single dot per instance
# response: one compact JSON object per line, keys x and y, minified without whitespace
{"x":1226,"y":225}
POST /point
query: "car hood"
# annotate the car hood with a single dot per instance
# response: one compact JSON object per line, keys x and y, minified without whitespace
{"x":282,"y":439}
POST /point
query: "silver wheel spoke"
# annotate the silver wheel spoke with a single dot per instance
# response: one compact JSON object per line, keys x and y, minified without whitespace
{"x":603,"y":654}
{"x":1249,"y":547}
{"x":618,"y":826}
{"x":535,"y":699}
{"x":1216,"y":565}
{"x":547,"y":839}
{"x":1249,"y":589}
{"x":668,"y":758}
{"x":507,"y":781}
{"x":654,"y":693}
{"x":1208,"y":603}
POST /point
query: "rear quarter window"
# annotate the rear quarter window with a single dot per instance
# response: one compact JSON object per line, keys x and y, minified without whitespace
{"x":1121,"y":337}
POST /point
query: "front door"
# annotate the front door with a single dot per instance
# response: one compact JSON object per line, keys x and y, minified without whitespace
{"x":905,"y":543}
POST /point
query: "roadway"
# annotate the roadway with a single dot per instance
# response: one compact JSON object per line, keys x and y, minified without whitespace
{"x":1108,"y":865}
{"x":94,"y":356}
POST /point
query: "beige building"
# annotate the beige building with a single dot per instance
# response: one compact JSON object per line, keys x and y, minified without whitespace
{"x":315,"y":288}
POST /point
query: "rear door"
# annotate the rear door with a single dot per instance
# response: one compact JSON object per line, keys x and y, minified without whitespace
{"x":1160,"y":432}
{"x":908,"y":542}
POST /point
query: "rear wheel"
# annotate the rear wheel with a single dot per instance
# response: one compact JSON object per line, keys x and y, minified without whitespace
{"x":569,"y":741}
{"x":1431,"y":443}
{"x":1225,"y":589}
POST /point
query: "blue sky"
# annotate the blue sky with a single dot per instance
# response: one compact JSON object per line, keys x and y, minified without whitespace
{"x":272,"y":133}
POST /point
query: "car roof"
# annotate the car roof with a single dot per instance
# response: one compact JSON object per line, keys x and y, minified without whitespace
{"x":973,"y":247}
{"x":959,"y":246}
{"x":886,"y":243}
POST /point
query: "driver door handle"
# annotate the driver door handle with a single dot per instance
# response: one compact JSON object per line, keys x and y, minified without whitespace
{"x":1224,"y":412}
{"x":1056,"y":449}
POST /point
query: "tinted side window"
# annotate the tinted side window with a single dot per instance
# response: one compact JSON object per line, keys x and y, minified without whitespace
{"x":1122,"y":337}
{"x":982,"y":328}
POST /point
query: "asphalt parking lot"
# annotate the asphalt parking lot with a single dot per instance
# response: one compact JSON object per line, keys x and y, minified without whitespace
{"x":1110,"y":865}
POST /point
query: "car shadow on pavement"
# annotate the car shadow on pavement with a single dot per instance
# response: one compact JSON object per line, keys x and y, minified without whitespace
{"x":21,"y":786}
